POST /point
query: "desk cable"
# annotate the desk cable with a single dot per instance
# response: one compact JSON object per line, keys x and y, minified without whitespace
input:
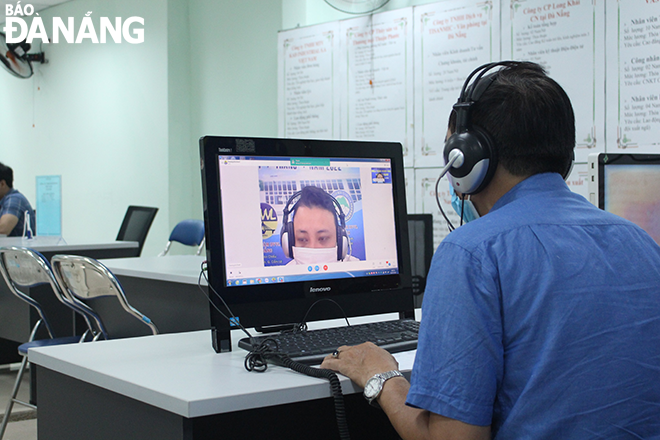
{"x":262,"y":353}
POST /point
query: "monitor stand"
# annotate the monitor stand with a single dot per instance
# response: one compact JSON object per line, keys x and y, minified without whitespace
{"x":222,"y":335}
{"x":221,"y":339}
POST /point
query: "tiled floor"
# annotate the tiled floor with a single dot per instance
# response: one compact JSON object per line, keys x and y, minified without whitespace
{"x":25,"y":426}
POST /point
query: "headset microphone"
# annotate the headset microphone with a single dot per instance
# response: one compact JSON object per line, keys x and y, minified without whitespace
{"x":455,"y":159}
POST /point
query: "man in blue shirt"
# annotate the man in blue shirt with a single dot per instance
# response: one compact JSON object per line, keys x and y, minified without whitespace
{"x":541,"y":318}
{"x":13,"y":206}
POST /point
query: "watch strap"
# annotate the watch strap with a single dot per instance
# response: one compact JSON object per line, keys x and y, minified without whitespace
{"x":382,"y":378}
{"x":390,"y":374}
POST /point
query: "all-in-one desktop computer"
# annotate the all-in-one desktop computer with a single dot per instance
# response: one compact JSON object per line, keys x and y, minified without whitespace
{"x":266,"y":263}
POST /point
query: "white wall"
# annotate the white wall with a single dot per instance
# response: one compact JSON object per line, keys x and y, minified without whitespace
{"x":184,"y":179}
{"x":233,"y":71}
{"x":234,"y":59}
{"x":100,"y":120}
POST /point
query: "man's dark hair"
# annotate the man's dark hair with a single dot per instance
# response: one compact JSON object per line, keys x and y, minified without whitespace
{"x":7,"y":174}
{"x":312,"y":196}
{"x":529,"y":118}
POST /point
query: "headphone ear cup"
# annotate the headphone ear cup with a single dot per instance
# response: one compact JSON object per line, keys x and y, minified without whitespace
{"x":284,"y":242}
{"x":479,"y":160}
{"x":287,"y":239}
{"x":291,"y":238}
{"x":342,"y":243}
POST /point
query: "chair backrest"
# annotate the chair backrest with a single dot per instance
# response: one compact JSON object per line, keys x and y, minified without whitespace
{"x":136,"y":225}
{"x":420,"y":233}
{"x":189,"y":232}
{"x":24,"y":267}
{"x":83,"y":278}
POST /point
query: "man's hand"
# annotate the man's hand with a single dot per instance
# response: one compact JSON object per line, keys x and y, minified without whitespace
{"x":361,"y":362}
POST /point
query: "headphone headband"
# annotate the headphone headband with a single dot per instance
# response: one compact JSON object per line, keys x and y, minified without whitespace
{"x":471,"y":91}
{"x":339,"y":212}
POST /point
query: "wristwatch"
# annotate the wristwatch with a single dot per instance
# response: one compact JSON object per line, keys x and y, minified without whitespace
{"x":374,"y":386}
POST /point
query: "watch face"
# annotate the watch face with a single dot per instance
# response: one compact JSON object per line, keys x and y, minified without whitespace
{"x":372,"y":387}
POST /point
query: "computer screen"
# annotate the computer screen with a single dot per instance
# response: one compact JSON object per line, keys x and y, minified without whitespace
{"x":290,"y":221}
{"x":627,"y":185}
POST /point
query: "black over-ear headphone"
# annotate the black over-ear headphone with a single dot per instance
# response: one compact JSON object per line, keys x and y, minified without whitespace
{"x":287,"y":234}
{"x":478,"y":149}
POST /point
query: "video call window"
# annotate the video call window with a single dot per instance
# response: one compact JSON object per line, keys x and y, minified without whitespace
{"x":322,"y":219}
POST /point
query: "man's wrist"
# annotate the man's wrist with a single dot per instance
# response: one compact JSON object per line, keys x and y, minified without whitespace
{"x":374,"y":386}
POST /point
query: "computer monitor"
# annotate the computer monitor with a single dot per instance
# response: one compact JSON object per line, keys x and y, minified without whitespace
{"x":290,"y":222}
{"x":627,"y":185}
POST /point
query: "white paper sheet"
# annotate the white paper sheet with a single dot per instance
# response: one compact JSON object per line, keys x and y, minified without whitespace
{"x":451,"y":39}
{"x":566,"y":39}
{"x":308,"y":105}
{"x":633,"y":76}
{"x":377,"y":68}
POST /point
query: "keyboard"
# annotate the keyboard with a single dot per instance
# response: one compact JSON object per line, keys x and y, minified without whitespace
{"x":311,"y":346}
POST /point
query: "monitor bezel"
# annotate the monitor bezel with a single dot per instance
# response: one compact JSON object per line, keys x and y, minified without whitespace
{"x":278,"y":304}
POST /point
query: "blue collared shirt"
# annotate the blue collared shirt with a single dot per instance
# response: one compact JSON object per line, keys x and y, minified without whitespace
{"x":542,"y":319}
{"x":16,"y":204}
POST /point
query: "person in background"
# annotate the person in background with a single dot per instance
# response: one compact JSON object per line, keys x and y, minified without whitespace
{"x":541,"y":317}
{"x":13,"y":206}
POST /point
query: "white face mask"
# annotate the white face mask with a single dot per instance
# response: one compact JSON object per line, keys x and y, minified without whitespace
{"x":463,"y":207}
{"x":304,"y":255}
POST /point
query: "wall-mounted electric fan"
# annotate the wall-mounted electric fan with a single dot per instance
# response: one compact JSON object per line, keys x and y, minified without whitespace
{"x":357,"y":6}
{"x":16,"y":59}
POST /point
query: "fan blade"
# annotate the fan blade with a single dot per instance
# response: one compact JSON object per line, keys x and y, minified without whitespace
{"x":16,"y":65}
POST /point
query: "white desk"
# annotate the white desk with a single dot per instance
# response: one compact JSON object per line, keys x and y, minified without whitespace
{"x":174,"y":386}
{"x":175,"y":268}
{"x":47,"y":244}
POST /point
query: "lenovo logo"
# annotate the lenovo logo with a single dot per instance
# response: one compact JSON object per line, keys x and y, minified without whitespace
{"x":319,"y":289}
{"x":224,"y":150}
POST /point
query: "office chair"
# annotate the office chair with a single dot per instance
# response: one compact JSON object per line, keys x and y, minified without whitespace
{"x":82,"y":279}
{"x":189,"y":232}
{"x":136,"y":225}
{"x":25,"y":268}
{"x":420,"y":233}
